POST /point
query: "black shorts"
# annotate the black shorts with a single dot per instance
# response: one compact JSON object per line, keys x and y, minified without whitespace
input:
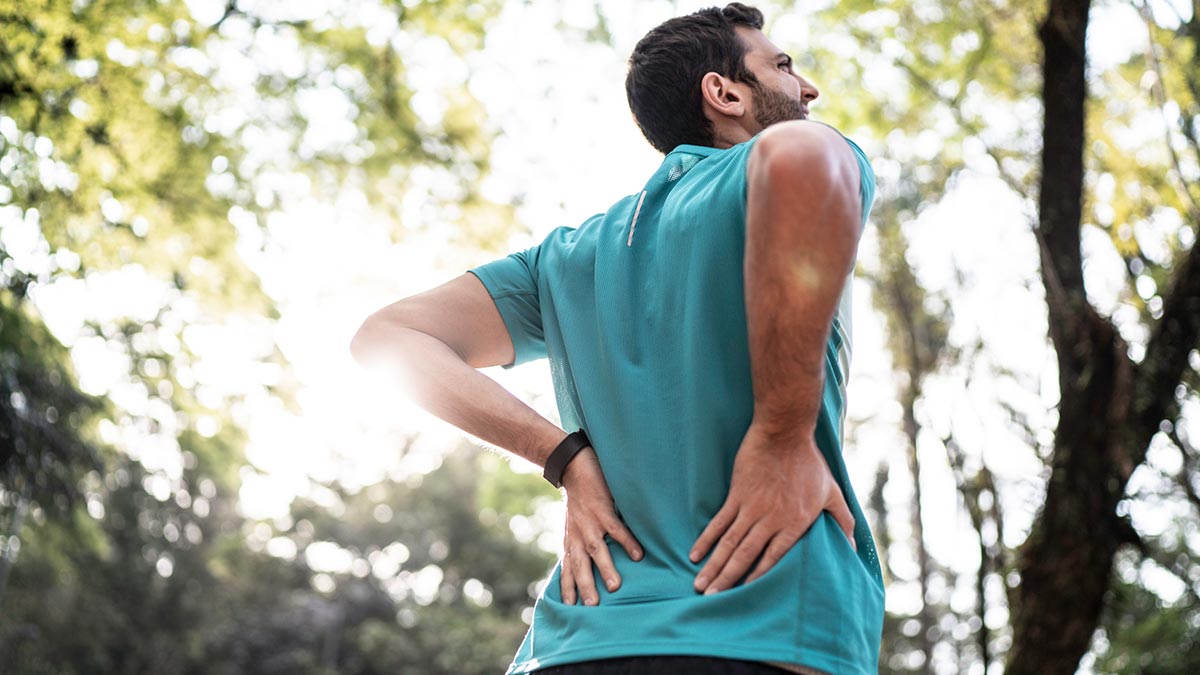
{"x":664,"y":665}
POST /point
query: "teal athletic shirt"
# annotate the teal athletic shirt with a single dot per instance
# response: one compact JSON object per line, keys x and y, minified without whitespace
{"x":642,"y":313}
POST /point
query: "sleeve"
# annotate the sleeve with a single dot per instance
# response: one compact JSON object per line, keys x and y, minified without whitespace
{"x":513,"y":284}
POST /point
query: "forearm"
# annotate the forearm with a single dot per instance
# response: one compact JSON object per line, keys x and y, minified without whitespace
{"x":801,"y":236}
{"x":442,"y":383}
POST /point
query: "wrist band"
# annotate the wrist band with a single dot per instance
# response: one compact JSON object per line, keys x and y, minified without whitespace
{"x":562,"y":455}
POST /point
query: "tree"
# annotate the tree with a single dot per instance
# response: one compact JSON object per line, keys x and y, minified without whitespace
{"x":137,"y":141}
{"x":1070,"y":551}
{"x":955,"y":77}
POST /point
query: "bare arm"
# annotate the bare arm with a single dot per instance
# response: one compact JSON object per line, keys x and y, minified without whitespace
{"x":802,"y":229}
{"x":435,"y":341}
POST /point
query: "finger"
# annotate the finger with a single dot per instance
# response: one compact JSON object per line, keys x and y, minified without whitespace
{"x":841,"y":513}
{"x":622,"y":535}
{"x":741,"y":559}
{"x":584,"y":580}
{"x":566,"y":580}
{"x":598,"y":550}
{"x":716,"y":527}
{"x":779,"y":545}
{"x":721,"y":553}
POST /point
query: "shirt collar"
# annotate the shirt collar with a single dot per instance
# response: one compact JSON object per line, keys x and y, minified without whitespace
{"x":701,"y":150}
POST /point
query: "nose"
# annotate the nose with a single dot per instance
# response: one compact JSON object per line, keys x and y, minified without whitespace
{"x":808,"y":91}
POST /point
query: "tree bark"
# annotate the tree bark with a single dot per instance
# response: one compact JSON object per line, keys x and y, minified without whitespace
{"x":1109,"y":409}
{"x":1066,"y":562}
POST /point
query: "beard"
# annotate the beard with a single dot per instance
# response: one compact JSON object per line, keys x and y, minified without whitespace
{"x":772,"y":107}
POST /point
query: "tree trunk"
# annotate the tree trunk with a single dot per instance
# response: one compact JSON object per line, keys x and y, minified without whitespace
{"x":929,"y":627}
{"x":1066,"y":563}
{"x":970,"y":490}
{"x":1109,"y":408}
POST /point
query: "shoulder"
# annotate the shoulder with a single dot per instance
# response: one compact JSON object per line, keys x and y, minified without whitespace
{"x":802,"y":147}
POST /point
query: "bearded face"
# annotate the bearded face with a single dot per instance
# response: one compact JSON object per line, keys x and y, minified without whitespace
{"x":771,"y":106}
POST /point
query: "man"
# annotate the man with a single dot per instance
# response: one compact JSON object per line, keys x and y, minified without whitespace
{"x":699,"y":340}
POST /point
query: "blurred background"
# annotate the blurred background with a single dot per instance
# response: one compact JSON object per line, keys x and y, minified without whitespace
{"x":201,"y":199}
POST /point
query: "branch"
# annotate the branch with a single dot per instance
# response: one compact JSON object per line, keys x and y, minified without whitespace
{"x":1190,"y":460}
{"x":231,"y":8}
{"x":954,"y":104}
{"x":990,"y":557}
{"x":1056,"y":291}
{"x":878,"y":507}
{"x":1150,"y":551}
{"x":1158,"y":90}
{"x":1060,"y":201}
{"x":955,"y":109}
{"x":1172,"y":338}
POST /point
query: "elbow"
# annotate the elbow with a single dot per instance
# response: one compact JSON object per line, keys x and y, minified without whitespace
{"x":370,"y":338}
{"x":361,"y":343}
{"x":394,"y":333}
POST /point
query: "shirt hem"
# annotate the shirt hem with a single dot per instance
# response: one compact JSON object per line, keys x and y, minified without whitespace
{"x":806,"y":658}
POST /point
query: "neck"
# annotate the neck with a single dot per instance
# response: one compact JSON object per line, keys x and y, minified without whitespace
{"x":729,"y":134}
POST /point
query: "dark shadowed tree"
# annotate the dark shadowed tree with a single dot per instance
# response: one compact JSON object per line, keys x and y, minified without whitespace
{"x":1103,"y":154}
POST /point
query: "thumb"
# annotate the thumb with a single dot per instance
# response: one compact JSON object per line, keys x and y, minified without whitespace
{"x":845,"y":520}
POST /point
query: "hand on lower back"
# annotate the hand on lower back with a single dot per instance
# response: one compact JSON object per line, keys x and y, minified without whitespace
{"x":590,"y":516}
{"x":775,"y":495}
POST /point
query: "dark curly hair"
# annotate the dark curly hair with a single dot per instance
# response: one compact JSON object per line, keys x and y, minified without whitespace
{"x":667,"y":65}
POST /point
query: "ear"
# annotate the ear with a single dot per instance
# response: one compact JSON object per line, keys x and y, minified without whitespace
{"x":723,"y":96}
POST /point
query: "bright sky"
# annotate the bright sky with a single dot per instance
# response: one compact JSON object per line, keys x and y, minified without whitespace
{"x":569,"y":146}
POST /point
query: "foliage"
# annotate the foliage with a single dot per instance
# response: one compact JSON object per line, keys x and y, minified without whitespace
{"x":149,"y":143}
{"x":945,"y":92}
{"x":420,"y":583}
{"x":1150,"y":636}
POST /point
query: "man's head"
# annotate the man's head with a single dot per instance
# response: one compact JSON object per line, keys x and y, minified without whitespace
{"x":712,"y":78}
